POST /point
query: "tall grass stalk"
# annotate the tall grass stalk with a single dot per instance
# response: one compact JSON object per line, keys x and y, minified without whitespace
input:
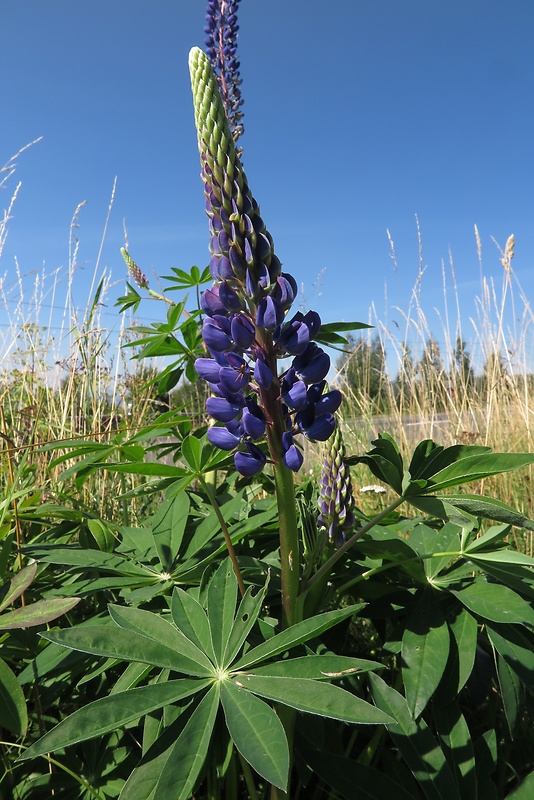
{"x":492,"y":405}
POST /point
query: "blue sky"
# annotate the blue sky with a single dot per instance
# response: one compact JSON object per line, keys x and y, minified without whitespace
{"x":358,"y":117}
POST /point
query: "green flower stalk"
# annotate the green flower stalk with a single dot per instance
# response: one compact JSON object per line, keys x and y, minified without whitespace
{"x":336,"y":502}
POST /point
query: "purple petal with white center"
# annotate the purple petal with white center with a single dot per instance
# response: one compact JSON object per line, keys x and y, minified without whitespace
{"x":223,"y":438}
{"x":208,"y":369}
{"x":222,"y":410}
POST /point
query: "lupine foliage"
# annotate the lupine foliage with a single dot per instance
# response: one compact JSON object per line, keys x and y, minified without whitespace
{"x":226,"y":645}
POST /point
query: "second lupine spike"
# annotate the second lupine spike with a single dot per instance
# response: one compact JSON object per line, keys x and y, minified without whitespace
{"x":336,"y":501}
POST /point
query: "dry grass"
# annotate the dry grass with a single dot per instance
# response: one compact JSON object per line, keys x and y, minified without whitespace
{"x":446,"y":404}
{"x":63,"y":374}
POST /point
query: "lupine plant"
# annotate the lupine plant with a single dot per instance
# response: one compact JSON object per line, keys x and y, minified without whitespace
{"x":257,"y":635}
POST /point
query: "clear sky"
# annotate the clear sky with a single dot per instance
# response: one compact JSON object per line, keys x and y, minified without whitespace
{"x":358,"y":117}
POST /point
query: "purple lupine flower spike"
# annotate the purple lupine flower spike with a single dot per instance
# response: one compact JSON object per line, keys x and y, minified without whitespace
{"x":336,"y":502}
{"x":245,"y":328}
{"x":221,"y":31}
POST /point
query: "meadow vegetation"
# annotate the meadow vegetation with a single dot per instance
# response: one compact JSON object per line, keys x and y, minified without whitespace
{"x":312,"y":591}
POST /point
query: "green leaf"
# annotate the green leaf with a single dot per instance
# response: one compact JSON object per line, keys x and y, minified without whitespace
{"x":17,"y":585}
{"x":352,"y":780}
{"x":486,"y":761}
{"x":177,"y":755}
{"x":257,"y":733}
{"x":425,"y":649}
{"x":489,"y":539}
{"x":73,"y":556}
{"x":168,"y":528}
{"x":464,"y":629}
{"x":191,"y":619}
{"x":512,"y":692}
{"x":221,"y":603}
{"x":127,"y":645}
{"x":314,"y":697}
{"x":525,"y":790}
{"x":37,"y":613}
{"x":439,"y":458}
{"x":157,"y":628}
{"x":246,"y":616}
{"x":516,"y":648}
{"x":477,"y":467}
{"x":296,"y":634}
{"x":454,"y":735}
{"x":109,"y":713}
{"x":186,"y":759}
{"x":13,"y":713}
{"x":416,"y":744}
{"x":318,"y":668}
{"x":494,"y":602}
{"x":191,"y":452}
{"x":427,"y":541}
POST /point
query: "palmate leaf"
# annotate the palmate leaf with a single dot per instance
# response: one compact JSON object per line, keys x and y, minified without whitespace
{"x":512,"y":692}
{"x":314,"y":697}
{"x":246,"y":616}
{"x":109,"y":713}
{"x":257,"y":733}
{"x":168,"y":527}
{"x":516,"y":648}
{"x":464,"y":629}
{"x":186,"y":758}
